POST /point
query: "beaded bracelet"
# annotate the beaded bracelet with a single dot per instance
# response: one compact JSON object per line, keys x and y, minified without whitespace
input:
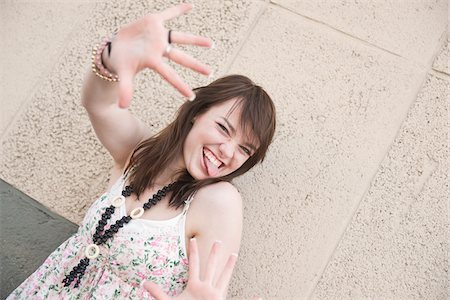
{"x":97,"y":63}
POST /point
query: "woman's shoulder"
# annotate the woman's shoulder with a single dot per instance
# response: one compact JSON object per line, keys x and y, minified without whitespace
{"x":218,"y":197}
{"x":218,"y":192}
{"x":219,"y":188}
{"x":213,"y":206}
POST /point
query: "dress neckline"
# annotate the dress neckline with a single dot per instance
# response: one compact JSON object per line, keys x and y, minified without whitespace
{"x":123,"y":209}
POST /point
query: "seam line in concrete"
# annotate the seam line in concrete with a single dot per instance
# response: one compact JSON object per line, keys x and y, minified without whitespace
{"x":440,"y":74}
{"x":315,"y":21}
{"x":246,"y":36}
{"x":355,"y":209}
{"x":439,"y":45}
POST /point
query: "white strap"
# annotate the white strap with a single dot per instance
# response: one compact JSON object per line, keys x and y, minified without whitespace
{"x":187,"y":203}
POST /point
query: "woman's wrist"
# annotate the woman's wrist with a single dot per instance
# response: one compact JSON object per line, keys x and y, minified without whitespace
{"x":106,"y":57}
{"x":101,"y":65}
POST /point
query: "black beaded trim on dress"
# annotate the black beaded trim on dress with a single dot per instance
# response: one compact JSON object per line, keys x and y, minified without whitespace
{"x":100,"y":237}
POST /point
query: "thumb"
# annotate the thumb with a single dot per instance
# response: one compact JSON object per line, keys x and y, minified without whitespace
{"x":125,"y":88}
{"x":155,"y":291}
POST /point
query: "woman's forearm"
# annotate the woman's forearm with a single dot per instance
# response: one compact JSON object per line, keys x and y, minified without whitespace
{"x":97,"y":93}
{"x":116,"y":128}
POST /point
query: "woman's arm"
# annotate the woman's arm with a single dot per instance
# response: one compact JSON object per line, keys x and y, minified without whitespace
{"x":117,"y":129}
{"x":137,"y":46}
{"x":211,"y":262}
{"x":216,"y":214}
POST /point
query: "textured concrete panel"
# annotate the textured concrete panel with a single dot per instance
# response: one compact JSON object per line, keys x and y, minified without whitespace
{"x":33,"y":35}
{"x":442,"y":61}
{"x":29,"y":232}
{"x":411,"y":29}
{"x":397,"y":245}
{"x":52,"y":153}
{"x":340,"y":103}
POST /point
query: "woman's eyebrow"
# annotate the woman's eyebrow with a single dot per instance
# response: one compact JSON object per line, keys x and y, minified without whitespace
{"x":233,"y":130}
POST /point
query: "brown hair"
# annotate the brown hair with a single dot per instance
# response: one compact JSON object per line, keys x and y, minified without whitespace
{"x":156,"y":153}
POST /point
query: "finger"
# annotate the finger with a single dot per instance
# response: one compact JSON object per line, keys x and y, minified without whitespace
{"x":225,"y":276}
{"x":169,"y":74}
{"x":190,"y":39}
{"x":175,"y":11}
{"x":155,"y":291}
{"x":194,"y":264}
{"x":211,"y":264}
{"x":125,"y":88}
{"x":188,"y":61}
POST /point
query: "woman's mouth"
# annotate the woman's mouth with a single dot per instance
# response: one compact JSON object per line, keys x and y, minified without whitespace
{"x":212,"y":164}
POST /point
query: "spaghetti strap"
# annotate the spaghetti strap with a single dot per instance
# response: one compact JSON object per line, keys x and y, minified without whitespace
{"x":187,"y":203}
{"x":117,"y":185}
{"x":127,"y":174}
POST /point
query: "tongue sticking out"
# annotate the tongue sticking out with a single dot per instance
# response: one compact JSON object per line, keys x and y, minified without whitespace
{"x":212,"y":169}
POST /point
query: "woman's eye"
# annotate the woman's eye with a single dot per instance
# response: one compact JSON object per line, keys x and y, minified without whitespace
{"x":246,"y":151}
{"x":223,"y":127}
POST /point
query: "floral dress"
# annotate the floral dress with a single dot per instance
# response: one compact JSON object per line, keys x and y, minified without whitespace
{"x":141,"y":250}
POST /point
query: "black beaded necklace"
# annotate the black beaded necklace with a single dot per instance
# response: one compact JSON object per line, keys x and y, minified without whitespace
{"x":100,"y":236}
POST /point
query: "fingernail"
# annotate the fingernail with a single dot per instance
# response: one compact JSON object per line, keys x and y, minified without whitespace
{"x":193,"y":239}
{"x":213,"y":45}
{"x":191,"y":98}
{"x":234,"y":254}
{"x":142,"y":283}
{"x":211,"y":75}
{"x":218,"y":242}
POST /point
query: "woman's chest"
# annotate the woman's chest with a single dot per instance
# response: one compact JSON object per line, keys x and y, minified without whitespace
{"x":170,"y":224}
{"x":134,"y":257}
{"x":157,"y":212}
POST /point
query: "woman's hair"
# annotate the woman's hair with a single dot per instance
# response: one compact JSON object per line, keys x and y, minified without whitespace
{"x":156,"y":153}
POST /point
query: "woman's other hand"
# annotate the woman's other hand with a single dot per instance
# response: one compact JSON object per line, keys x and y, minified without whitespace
{"x":143,"y":44}
{"x":200,"y":288}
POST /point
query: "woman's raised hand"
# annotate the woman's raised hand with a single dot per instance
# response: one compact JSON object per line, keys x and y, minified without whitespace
{"x":143,"y":44}
{"x":197,"y":288}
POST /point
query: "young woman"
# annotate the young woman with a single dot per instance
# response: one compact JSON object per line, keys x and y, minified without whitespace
{"x":165,"y":189}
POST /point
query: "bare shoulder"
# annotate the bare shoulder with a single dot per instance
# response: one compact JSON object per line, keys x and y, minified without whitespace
{"x":218,"y":196}
{"x":215,"y":205}
{"x":216,"y":214}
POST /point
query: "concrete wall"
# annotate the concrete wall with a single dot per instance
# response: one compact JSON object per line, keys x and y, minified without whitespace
{"x":352,"y":200}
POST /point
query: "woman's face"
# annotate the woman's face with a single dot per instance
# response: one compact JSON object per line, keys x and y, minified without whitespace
{"x":216,"y":145}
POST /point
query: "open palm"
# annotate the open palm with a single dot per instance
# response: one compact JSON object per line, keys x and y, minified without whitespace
{"x":143,"y":43}
{"x":197,"y":288}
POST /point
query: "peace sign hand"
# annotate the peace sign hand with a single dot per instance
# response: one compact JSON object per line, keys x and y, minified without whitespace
{"x":143,"y":43}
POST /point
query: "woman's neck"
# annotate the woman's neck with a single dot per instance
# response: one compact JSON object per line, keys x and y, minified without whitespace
{"x":170,"y":173}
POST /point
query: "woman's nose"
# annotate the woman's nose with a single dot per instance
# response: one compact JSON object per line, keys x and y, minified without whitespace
{"x":227,"y":149}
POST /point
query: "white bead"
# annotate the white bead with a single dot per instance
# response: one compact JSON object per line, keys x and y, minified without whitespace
{"x":137,"y":213}
{"x":118,"y":201}
{"x":92,"y":251}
